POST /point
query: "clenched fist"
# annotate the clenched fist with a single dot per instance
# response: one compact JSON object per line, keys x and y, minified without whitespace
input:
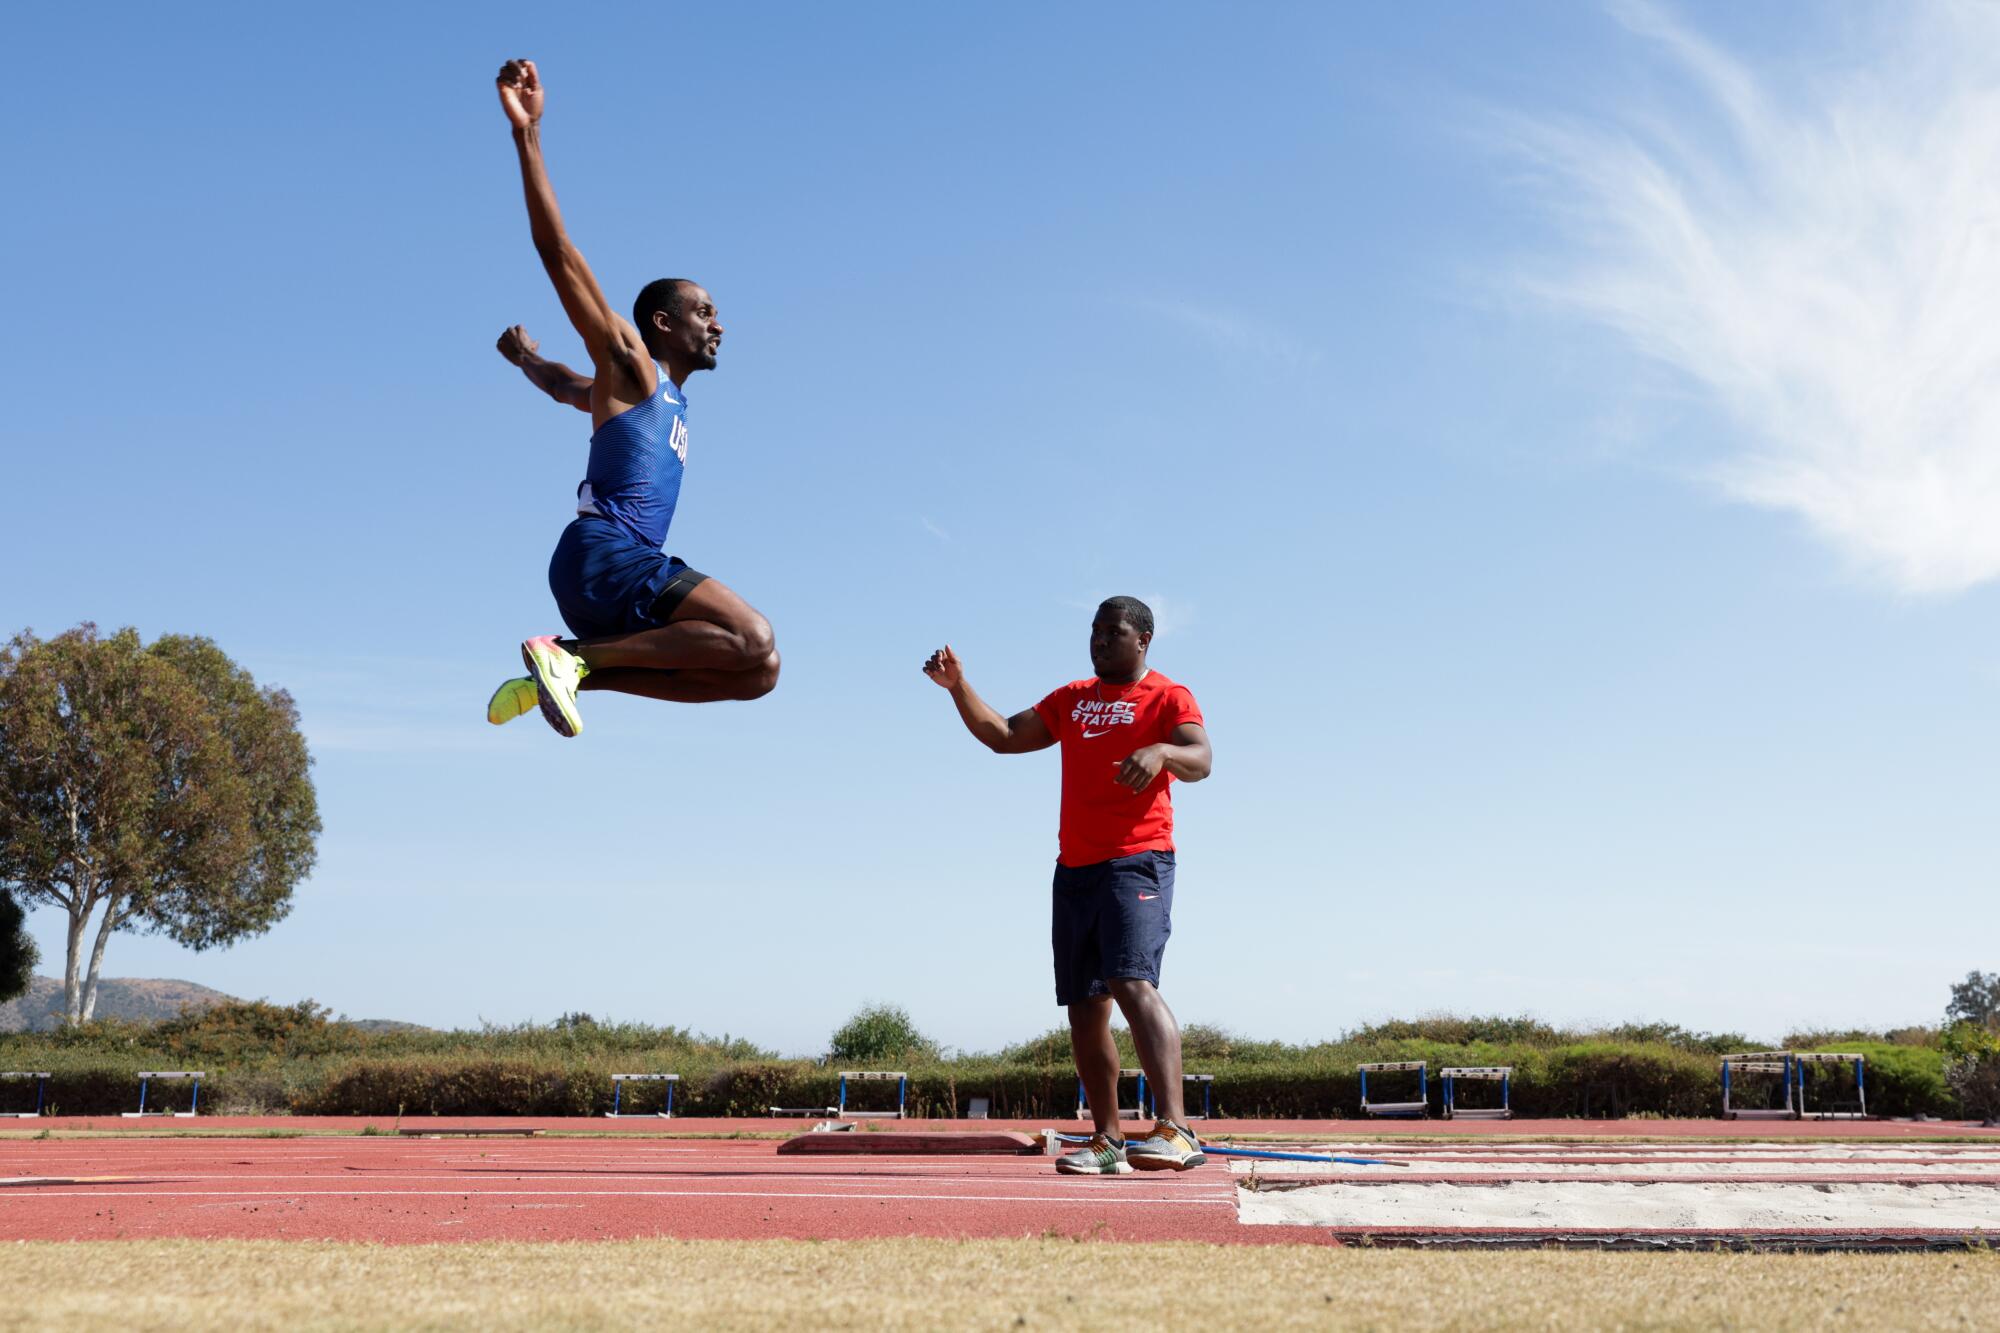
{"x":516,"y":345}
{"x":520,"y":93}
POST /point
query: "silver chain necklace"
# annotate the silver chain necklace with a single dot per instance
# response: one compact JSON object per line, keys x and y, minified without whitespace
{"x":1099,"y":686}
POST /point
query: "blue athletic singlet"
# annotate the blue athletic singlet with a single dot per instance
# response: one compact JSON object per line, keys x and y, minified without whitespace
{"x":636,"y":460}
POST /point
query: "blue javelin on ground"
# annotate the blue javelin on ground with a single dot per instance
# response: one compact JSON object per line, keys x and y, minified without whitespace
{"x":1261,"y":1153}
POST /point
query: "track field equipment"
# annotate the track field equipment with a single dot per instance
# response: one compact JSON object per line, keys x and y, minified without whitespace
{"x":1501,"y":1074}
{"x":807,"y":1111}
{"x":41,"y":1093}
{"x":469,"y":1132}
{"x":1857,"y":1109}
{"x":846,"y":1112}
{"x":194,"y":1077}
{"x":1758,"y":1062}
{"x":1150,"y":1107}
{"x":1136,"y":1111}
{"x":1791,"y":1066}
{"x":618,"y":1082}
{"x":1417,"y":1109}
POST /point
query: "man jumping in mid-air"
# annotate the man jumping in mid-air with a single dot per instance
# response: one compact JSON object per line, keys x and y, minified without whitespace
{"x":644,"y":622}
{"x":1126,"y":734}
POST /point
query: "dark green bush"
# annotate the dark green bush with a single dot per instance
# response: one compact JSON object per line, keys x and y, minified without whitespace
{"x":877,"y":1033}
{"x":753,"y":1089}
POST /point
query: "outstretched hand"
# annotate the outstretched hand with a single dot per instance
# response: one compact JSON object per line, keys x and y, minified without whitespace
{"x":520,"y":93}
{"x":516,"y":345}
{"x":944,"y":667}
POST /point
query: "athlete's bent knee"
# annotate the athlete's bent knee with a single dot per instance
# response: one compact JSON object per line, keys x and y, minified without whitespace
{"x":757,"y":649}
{"x":763,"y":679}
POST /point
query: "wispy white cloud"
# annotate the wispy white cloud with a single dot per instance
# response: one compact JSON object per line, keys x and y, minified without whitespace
{"x":1171,"y":615}
{"x":1819,"y":255}
{"x":934,"y":530}
{"x":1233,"y":333}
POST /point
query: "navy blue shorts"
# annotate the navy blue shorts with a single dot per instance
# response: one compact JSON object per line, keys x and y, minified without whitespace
{"x":606,"y":581}
{"x":1111,"y":919}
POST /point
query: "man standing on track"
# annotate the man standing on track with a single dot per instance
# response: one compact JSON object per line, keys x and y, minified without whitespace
{"x":1126,"y":734}
{"x":644,"y":622}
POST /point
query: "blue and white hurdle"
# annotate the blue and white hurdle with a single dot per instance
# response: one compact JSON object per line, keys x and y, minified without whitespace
{"x":1800,"y":1059}
{"x":846,"y":1112}
{"x":41,"y":1093}
{"x":1136,"y":1111}
{"x":146,"y":1076}
{"x":618,"y":1082}
{"x":1501,"y":1074}
{"x":1758,"y":1062}
{"x":1418,"y":1108}
{"x":1791,"y":1066}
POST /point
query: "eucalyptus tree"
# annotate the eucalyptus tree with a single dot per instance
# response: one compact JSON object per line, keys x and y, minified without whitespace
{"x":153,"y":788}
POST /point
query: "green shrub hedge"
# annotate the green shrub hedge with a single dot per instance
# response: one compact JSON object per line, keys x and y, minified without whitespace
{"x":265,"y":1059}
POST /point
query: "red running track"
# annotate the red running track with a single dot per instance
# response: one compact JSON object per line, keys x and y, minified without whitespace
{"x":402,"y":1190}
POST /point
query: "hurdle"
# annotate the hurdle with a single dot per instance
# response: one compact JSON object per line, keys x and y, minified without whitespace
{"x":1802,"y":1059}
{"x":1151,"y":1107}
{"x":1136,"y":1111}
{"x":1780,"y":1063}
{"x":1502,"y":1074}
{"x":873,"y":1076}
{"x":618,"y":1082}
{"x":41,"y":1093}
{"x":1419,"y":1108}
{"x":194,"y":1076}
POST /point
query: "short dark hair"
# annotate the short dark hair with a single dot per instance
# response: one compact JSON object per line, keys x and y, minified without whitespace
{"x":1131,"y":610}
{"x":668,"y":294}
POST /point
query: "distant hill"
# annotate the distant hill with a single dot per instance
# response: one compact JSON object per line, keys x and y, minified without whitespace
{"x":136,"y":999}
{"x":379,"y":1025}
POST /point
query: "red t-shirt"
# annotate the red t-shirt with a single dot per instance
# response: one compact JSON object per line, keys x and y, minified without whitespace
{"x":1098,"y":726}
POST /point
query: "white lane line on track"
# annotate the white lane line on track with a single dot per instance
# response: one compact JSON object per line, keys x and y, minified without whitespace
{"x":1217,"y":1200}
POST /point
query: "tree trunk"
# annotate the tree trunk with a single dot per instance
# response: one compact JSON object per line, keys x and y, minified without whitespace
{"x":79,"y":916}
{"x":104,"y":930}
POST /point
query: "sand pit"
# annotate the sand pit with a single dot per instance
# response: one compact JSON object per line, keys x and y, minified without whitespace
{"x":1617,"y":1207}
{"x":1557,"y":1187}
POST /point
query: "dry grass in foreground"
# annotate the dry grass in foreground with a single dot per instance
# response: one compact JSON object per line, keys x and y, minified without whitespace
{"x":922,"y":1284}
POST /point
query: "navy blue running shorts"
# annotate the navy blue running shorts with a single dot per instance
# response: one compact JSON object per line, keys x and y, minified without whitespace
{"x":606,"y":581}
{"x":1111,"y":919}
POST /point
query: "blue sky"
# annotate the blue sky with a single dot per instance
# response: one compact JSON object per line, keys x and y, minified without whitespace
{"x":1558,"y":442}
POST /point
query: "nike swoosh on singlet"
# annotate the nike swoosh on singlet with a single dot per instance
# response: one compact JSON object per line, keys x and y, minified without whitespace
{"x":1093,"y":735}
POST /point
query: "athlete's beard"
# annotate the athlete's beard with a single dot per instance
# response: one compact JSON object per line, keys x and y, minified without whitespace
{"x":1110,"y":672}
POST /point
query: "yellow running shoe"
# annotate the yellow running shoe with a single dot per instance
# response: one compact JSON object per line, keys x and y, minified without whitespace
{"x":511,"y":700}
{"x":1170,"y":1147}
{"x":556,"y":673}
